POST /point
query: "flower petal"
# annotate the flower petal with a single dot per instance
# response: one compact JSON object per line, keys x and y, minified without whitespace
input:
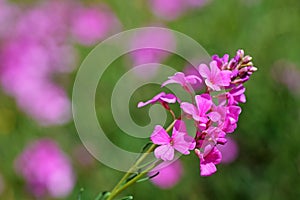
{"x":214,"y":116}
{"x":214,"y":69}
{"x":160,"y":136}
{"x":204,"y":71}
{"x":164,"y":152}
{"x":207,"y":169}
{"x":193,"y":79}
{"x":203,"y":103}
{"x":151,"y":101}
{"x":169,"y":98}
{"x":189,"y":108}
{"x":183,"y":143}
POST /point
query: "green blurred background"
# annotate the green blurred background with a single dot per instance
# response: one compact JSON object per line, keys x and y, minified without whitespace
{"x":268,"y":134}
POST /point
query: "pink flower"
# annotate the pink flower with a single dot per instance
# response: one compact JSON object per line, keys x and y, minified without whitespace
{"x":8,"y":13}
{"x":168,"y":9}
{"x":150,"y":46}
{"x":200,"y":111}
{"x":162,"y":97}
{"x":172,"y":9}
{"x":90,"y":25}
{"x":183,"y":80}
{"x":208,"y":160}
{"x":179,"y":141}
{"x":27,"y":67}
{"x":214,"y":77}
{"x":46,"y":169}
{"x":287,"y":74}
{"x":232,"y":116}
{"x":234,"y":96}
{"x":168,"y":176}
{"x":229,"y":151}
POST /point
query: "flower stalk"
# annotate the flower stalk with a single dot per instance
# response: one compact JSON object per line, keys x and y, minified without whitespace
{"x":120,"y":186}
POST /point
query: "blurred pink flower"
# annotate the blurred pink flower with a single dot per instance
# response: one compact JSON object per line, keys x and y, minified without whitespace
{"x":39,"y":48}
{"x":84,"y":158}
{"x":40,"y":23}
{"x":287,"y":74}
{"x":26,"y":73}
{"x":229,"y":151}
{"x":172,"y":9}
{"x":168,"y":176}
{"x":8,"y":14}
{"x":90,"y":25}
{"x":149,"y":44}
{"x":46,"y":169}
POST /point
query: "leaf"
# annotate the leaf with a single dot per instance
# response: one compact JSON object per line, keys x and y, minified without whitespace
{"x":131,"y":177}
{"x":127,"y":198}
{"x":147,"y":178}
{"x":102,"y":195}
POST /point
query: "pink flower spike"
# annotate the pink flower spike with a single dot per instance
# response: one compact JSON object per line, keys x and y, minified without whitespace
{"x":214,"y":77}
{"x":162,"y":98}
{"x":179,"y":141}
{"x":183,"y":80}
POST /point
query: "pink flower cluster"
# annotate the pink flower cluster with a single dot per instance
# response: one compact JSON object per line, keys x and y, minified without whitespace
{"x":37,"y":44}
{"x":172,"y":9}
{"x":148,"y":44}
{"x":46,"y":169}
{"x":215,"y":112}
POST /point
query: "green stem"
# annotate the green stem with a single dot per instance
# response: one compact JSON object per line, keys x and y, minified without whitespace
{"x":129,"y":183}
{"x":119,"y":188}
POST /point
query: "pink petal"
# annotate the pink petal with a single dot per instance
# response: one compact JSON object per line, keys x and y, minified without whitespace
{"x":204,"y":103}
{"x":188,"y":108}
{"x":193,"y":79}
{"x":238,"y":90}
{"x":183,"y":143}
{"x":214,"y":69}
{"x":151,"y":101}
{"x":178,"y":77}
{"x":179,"y":126}
{"x":212,"y":85}
{"x":164,"y":152}
{"x":168,"y":82}
{"x":214,"y":116}
{"x":214,"y":156}
{"x":242,"y":98}
{"x":169,"y":98}
{"x":207,"y":169}
{"x":204,"y":71}
{"x":160,"y":136}
{"x":224,"y":78}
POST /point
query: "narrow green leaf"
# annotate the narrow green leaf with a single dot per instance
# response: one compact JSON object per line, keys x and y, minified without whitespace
{"x":126,"y":198}
{"x":102,"y":195}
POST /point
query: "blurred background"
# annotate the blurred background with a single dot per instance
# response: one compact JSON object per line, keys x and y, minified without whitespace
{"x":42,"y":44}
